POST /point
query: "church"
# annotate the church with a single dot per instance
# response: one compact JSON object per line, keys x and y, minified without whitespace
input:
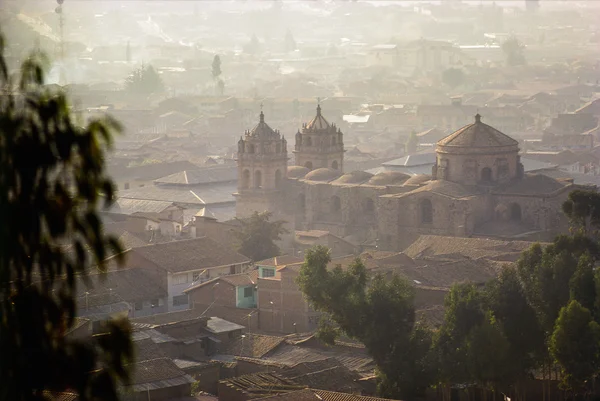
{"x":477,"y":187}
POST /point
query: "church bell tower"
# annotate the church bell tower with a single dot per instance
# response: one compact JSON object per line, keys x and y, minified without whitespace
{"x":262,"y":170}
{"x":320,"y":144}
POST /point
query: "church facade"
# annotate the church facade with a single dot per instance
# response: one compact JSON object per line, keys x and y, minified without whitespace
{"x":477,"y":187}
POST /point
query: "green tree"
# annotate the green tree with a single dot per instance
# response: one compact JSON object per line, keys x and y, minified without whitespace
{"x":583,"y":284}
{"x":506,"y":300}
{"x":290,"y":42}
{"x":379,"y":313}
{"x":52,"y":179}
{"x":514,"y":51}
{"x":582,"y":207}
{"x":144,"y":81}
{"x":412,"y":143}
{"x":453,"y":77}
{"x":216,"y":67}
{"x":575,"y":344}
{"x":464,"y":310}
{"x":488,"y":358}
{"x":257,"y":236}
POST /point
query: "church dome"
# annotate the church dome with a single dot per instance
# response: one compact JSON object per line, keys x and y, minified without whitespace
{"x":477,"y":135}
{"x":323,"y":175}
{"x":417,"y":179}
{"x":297,"y":172}
{"x":318,"y":123}
{"x":262,"y":130}
{"x":355,"y":177}
{"x":389,"y":178}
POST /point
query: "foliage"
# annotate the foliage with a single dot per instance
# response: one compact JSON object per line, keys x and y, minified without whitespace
{"x":378,"y":312}
{"x":582,"y":207}
{"x":52,"y":180}
{"x":453,"y":77}
{"x":290,"y":42}
{"x":575,"y":344}
{"x":412,"y":143}
{"x":258,"y":234}
{"x":514,"y":51}
{"x":216,"y":67}
{"x":144,"y":81}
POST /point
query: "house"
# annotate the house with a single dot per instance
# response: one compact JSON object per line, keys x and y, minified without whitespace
{"x":237,"y":290}
{"x":178,"y":265}
{"x":255,"y":386}
{"x":304,"y":240}
{"x":157,"y":379}
{"x":131,"y":292}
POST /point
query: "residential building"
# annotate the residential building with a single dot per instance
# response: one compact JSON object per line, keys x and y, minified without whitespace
{"x":178,"y":265}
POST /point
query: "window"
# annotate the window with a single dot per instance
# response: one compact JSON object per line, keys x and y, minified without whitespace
{"x":248,"y":292}
{"x":308,"y":141}
{"x":333,"y":141}
{"x":179,"y":300}
{"x":426,"y":211}
{"x":334,"y":165}
{"x":486,"y":174}
{"x":308,"y":165}
{"x":232,"y":269}
{"x":139,"y":306}
{"x":257,"y":179}
{"x":268,"y":272}
{"x":180,"y":278}
{"x":369,"y":205}
{"x":245,"y":179}
{"x":515,"y":212}
{"x":154,"y":303}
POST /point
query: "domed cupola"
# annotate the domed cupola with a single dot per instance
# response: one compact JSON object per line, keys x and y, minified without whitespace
{"x":477,"y":154}
{"x":319,"y":144}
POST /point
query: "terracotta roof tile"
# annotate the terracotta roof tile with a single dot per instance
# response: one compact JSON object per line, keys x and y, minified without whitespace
{"x":458,"y":247}
{"x":155,"y":370}
{"x":192,"y":254}
{"x":477,"y":135}
{"x":252,"y":345}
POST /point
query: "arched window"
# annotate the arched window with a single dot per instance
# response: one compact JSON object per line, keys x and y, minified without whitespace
{"x":426,"y":211}
{"x":334,"y":165}
{"x":486,"y":174}
{"x":333,"y":141}
{"x":278,"y":148}
{"x":277,"y":178}
{"x":246,"y":179}
{"x":308,"y":165}
{"x":257,"y":179}
{"x":369,"y":205}
{"x":336,"y":204}
{"x":250,"y":148}
{"x":308,"y":141}
{"x":515,"y":212}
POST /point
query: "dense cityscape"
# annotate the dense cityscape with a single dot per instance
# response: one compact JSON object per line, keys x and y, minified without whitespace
{"x":299,"y":200}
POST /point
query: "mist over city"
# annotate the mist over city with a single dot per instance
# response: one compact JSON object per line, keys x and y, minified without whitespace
{"x":299,"y":200}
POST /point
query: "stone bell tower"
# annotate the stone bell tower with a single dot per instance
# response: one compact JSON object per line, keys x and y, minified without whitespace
{"x":262,"y":170}
{"x":320,"y":144}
